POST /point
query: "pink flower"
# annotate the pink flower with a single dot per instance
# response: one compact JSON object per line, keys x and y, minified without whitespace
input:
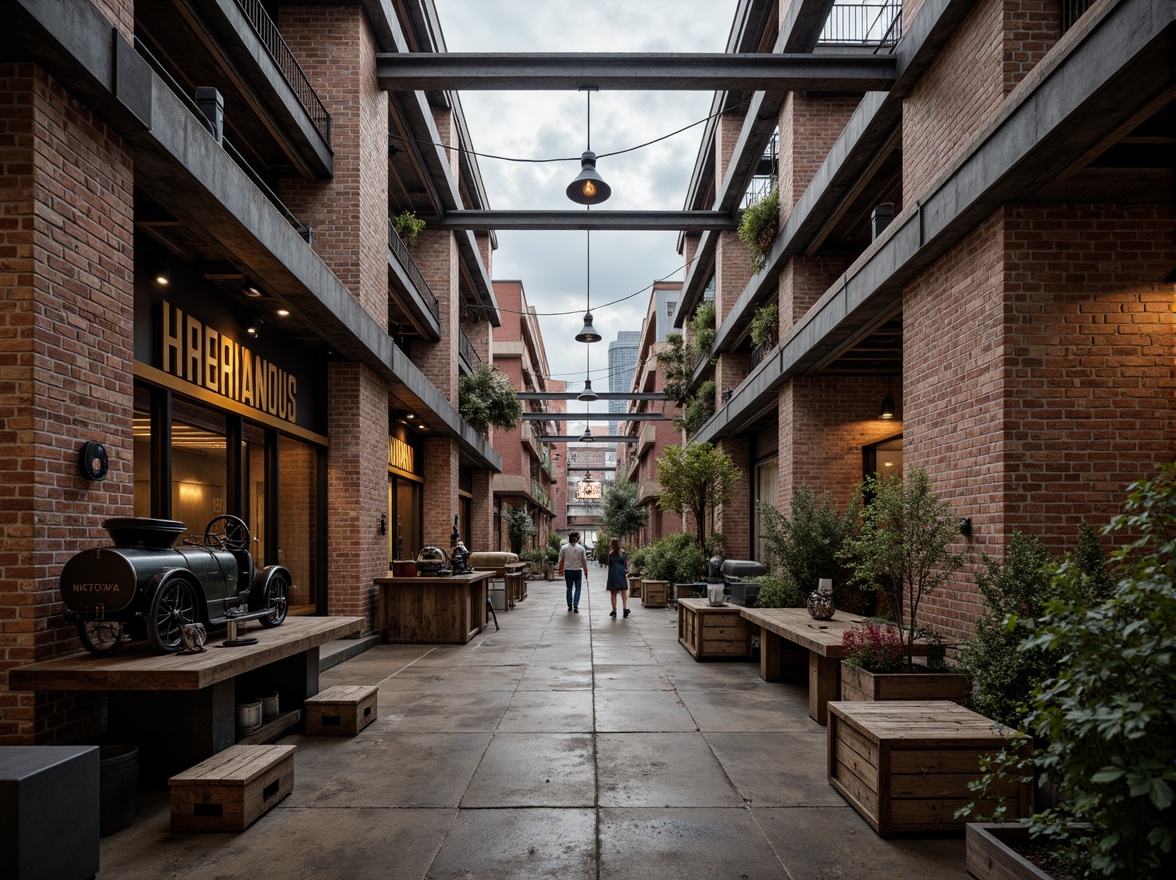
{"x":874,"y":648}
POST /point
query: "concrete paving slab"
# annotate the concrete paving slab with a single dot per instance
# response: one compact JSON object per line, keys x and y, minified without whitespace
{"x":549,"y":711}
{"x":642,"y":844}
{"x":777,"y":769}
{"x":631,"y":678}
{"x":518,"y":845}
{"x":454,"y":712}
{"x":828,"y":842}
{"x":557,"y":676}
{"x":625,"y":710}
{"x":763,"y":708}
{"x":661,"y":770}
{"x":535,"y":770}
{"x":480,"y":679}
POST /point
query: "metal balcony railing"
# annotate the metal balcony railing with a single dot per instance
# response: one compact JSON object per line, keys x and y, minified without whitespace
{"x":271,"y":38}
{"x":466,"y":349}
{"x":175,"y":88}
{"x":876,"y":25}
{"x":400,"y":249}
{"x":754,"y":358}
{"x":1072,"y":10}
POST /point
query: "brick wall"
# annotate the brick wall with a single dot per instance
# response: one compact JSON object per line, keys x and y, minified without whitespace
{"x":1039,"y":375}
{"x":803,"y":281}
{"x":441,"y":484}
{"x":357,"y":488}
{"x":435,"y":252}
{"x":733,"y":519}
{"x":66,"y":336}
{"x":808,"y":128}
{"x":349,"y":213}
{"x":121,"y":13}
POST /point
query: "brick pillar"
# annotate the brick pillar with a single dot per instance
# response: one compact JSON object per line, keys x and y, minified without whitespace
{"x":357,"y":488}
{"x":66,"y":345}
{"x":349,"y":213}
{"x":482,"y":516}
{"x":733,"y":519}
{"x":441,"y":484}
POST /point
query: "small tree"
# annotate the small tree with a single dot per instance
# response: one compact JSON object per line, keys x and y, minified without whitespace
{"x":518,"y":526}
{"x":903,"y":545}
{"x":623,"y":513}
{"x":486,"y":398}
{"x":698,"y":478}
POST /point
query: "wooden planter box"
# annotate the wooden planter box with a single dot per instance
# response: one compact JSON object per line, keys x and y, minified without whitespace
{"x":709,"y":631}
{"x":858,"y":684}
{"x":905,"y":765}
{"x":991,"y":857}
{"x":635,"y":587}
{"x":654,"y":593}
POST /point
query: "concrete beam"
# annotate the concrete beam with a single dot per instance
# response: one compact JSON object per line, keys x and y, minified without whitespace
{"x":549,"y":220}
{"x":595,"y":417}
{"x":505,"y":71}
{"x":602,"y":395}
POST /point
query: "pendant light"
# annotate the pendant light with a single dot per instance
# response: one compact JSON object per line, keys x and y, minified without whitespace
{"x":589,"y":187}
{"x":887,"y":403}
{"x":588,"y":333}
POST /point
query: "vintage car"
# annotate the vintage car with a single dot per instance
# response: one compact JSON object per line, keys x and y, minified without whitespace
{"x":145,"y":586}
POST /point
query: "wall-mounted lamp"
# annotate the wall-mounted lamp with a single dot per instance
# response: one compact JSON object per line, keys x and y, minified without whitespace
{"x":383,"y":524}
{"x":887,"y":411}
{"x":966,"y":526}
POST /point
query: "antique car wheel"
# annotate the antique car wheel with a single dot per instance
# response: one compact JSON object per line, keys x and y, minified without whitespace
{"x":102,"y":637}
{"x":233,"y":534}
{"x":277,"y":597}
{"x":173,"y":605}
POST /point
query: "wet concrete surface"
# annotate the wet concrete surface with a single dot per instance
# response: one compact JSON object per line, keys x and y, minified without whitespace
{"x":562,"y":746}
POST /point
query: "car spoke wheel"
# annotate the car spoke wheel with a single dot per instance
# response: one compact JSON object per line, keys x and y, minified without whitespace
{"x":172,"y":607}
{"x":277,"y":598}
{"x":102,"y":637}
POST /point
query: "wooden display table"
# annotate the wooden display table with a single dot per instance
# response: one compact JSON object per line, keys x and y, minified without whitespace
{"x":905,"y":765}
{"x":451,"y":610}
{"x":709,"y":631}
{"x":181,"y":708}
{"x":821,"y":639}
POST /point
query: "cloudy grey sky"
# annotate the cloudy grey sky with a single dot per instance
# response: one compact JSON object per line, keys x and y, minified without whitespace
{"x":531,"y":125}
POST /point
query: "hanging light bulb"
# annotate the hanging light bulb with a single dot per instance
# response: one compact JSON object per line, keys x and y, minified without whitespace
{"x":588,"y":333}
{"x":589,"y":187}
{"x":887,"y":403}
{"x":587,"y":395}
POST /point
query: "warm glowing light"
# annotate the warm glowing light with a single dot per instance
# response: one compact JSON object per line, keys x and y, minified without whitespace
{"x":589,"y":188}
{"x":283,"y":313}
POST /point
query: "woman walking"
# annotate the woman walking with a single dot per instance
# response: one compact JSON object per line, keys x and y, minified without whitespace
{"x":618,"y":576}
{"x":573,"y":566}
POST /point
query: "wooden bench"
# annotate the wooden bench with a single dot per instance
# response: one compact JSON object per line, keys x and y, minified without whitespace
{"x":709,"y":631}
{"x":342,"y":710}
{"x":232,"y":789}
{"x":905,"y":765}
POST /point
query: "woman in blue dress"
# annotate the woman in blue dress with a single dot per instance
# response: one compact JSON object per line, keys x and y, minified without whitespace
{"x":618,"y":576}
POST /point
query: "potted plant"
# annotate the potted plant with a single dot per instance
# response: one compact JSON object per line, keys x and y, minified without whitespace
{"x":1104,"y":721}
{"x":758,"y":227}
{"x":765,"y":326}
{"x":408,"y":226}
{"x":875,"y":667}
{"x":485,"y":399}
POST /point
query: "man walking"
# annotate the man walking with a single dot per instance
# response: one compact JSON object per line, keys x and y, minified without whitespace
{"x":573,"y":565}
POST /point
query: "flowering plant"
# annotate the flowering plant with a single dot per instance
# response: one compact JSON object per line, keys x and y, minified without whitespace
{"x":874,"y":648}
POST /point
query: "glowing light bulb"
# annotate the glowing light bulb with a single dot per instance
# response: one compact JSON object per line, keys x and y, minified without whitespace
{"x":589,"y":188}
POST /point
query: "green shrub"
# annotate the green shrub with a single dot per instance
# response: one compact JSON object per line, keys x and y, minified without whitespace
{"x":758,"y":227}
{"x":778,"y":592}
{"x":408,"y":226}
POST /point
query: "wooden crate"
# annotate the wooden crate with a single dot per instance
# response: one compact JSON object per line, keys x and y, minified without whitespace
{"x":858,"y":684}
{"x":343,"y":710}
{"x":905,"y":765}
{"x":635,"y":587}
{"x":654,"y":593}
{"x":232,"y":789}
{"x":708,"y":631}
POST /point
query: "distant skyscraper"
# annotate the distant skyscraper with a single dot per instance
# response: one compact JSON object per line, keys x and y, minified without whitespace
{"x":622,"y":362}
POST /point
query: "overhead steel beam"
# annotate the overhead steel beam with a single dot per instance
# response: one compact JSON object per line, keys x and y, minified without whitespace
{"x":575,"y":438}
{"x":673,"y":221}
{"x":547,"y":71}
{"x":602,"y":395}
{"x":595,"y":417}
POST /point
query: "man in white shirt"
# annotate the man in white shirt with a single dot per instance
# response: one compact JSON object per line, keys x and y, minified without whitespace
{"x":573,"y":565}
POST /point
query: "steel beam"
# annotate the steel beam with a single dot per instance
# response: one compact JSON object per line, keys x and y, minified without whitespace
{"x":548,"y":71}
{"x":595,"y":417}
{"x":575,"y":438}
{"x":602,"y":395}
{"x":673,"y":221}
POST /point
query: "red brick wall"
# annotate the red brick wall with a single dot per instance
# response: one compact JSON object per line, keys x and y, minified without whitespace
{"x":1039,"y":375}
{"x":357,"y":488}
{"x":66,"y":337}
{"x":803,"y":281}
{"x":121,"y":14}
{"x":733,"y":519}
{"x":435,"y":253}
{"x":441,"y":483}
{"x":808,"y":128}
{"x":349,"y":213}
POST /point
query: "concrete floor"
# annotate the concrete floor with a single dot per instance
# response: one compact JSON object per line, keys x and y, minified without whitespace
{"x":564,"y":746}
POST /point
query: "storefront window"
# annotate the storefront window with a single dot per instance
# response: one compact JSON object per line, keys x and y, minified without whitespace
{"x":199,"y":468}
{"x":298,"y":525}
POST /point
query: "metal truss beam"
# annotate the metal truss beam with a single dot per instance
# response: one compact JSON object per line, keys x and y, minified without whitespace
{"x":595,"y":417}
{"x":673,"y":221}
{"x":704,"y":72}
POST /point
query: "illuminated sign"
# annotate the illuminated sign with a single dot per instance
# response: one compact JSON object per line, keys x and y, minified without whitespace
{"x":588,"y":489}
{"x":401,"y":456}
{"x":199,"y":354}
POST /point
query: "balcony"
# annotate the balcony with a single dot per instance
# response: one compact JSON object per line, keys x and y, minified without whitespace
{"x":417,"y":305}
{"x":650,"y":490}
{"x":470,"y":359}
{"x":645,"y":439}
{"x":876,"y":26}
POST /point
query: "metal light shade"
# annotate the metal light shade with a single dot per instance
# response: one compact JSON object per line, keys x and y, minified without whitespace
{"x":587,"y":395}
{"x":589,"y":187}
{"x":586,"y":437}
{"x":588,"y":333}
{"x":887,"y":408}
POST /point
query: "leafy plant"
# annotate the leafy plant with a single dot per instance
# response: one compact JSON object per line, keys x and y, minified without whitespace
{"x":1107,"y":717}
{"x":697,"y":479}
{"x":778,"y":592}
{"x":703,"y":326}
{"x":759,"y":225}
{"x":699,"y":407}
{"x":623,"y":512}
{"x":408,"y":226}
{"x":554,"y":542}
{"x":638,"y":561}
{"x":486,"y":398}
{"x":765,"y":326}
{"x":677,"y":368}
{"x":805,"y":546}
{"x":518,"y":526}
{"x":676,"y":558}
{"x":902,"y":546}
{"x":875,"y":648}
{"x":1005,"y":675}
